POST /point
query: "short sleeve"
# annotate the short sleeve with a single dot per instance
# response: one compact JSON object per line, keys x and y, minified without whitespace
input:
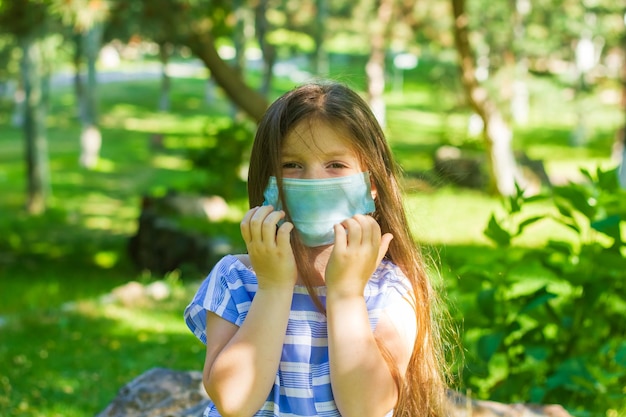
{"x":397,"y":285}
{"x":387,"y":286}
{"x":227,"y":291}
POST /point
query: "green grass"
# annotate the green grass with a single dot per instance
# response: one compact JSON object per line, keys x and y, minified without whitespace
{"x":65,"y":353}
{"x":71,"y":363}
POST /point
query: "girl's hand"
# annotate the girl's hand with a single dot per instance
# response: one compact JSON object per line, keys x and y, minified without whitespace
{"x":359,"y":248}
{"x":269,"y":247}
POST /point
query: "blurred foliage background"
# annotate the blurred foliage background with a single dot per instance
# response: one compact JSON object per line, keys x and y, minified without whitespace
{"x":124,"y":133}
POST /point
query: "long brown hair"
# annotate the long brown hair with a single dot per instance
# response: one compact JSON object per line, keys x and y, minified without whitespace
{"x":421,"y":389}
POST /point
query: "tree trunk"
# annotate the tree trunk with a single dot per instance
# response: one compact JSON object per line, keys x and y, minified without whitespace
{"x":320,"y":55}
{"x":268,"y":50}
{"x":375,"y":67}
{"x":79,"y":90}
{"x":91,"y":139}
{"x":36,"y":152}
{"x":621,"y":134}
{"x":239,"y":36}
{"x":519,"y":92}
{"x":19,"y":103}
{"x":165,"y":50}
{"x":239,"y":43}
{"x":497,"y":132}
{"x":202,"y":43}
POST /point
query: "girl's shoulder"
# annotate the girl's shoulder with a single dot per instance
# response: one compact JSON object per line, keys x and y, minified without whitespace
{"x":244,"y":259}
{"x":389,"y":276}
{"x":387,"y":270}
{"x":234,"y":261}
{"x":232,"y":271}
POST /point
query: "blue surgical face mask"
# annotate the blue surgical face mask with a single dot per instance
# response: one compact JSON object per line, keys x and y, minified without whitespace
{"x":316,"y":205}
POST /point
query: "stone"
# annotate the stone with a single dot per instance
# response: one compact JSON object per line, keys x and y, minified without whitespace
{"x":162,"y":392}
{"x":468,"y":169}
{"x":462,"y":406}
{"x":160,"y":245}
{"x":460,"y":168}
{"x":129,"y":293}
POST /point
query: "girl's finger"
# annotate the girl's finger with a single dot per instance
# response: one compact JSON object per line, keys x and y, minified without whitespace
{"x":283,"y":235}
{"x":369,"y":229}
{"x":270,"y":224}
{"x":244,"y":226}
{"x":354,"y":231}
{"x":256,"y":222}
{"x":341,"y":237}
{"x":384,"y":246}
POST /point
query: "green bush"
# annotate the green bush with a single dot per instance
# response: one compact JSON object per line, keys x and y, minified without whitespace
{"x":548,"y":324}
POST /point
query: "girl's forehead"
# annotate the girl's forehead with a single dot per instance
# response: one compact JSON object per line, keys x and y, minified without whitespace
{"x":316,"y":135}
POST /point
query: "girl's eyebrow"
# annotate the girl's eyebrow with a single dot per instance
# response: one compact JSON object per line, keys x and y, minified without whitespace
{"x":331,"y":154}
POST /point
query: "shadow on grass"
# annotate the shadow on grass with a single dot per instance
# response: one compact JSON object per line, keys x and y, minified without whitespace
{"x":43,"y":267}
{"x":72,"y":364}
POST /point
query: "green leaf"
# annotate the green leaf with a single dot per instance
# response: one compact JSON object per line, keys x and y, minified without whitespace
{"x":565,"y":211}
{"x":488,"y":345}
{"x":608,"y":180}
{"x":528,"y":222}
{"x":620,"y":355}
{"x":541,"y":297}
{"x":573,"y":226}
{"x":560,"y":246}
{"x":486,"y":300}
{"x":576,"y":196}
{"x":587,"y":174}
{"x":538,"y":353}
{"x":610,"y":226}
{"x":514,"y":200}
{"x":497,"y":233}
{"x":537,"y":394}
{"x":535,"y":198}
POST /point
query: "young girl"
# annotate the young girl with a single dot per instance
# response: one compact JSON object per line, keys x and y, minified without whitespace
{"x":329,"y":312}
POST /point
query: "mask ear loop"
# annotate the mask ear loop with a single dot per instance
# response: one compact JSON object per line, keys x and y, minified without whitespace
{"x":373,"y":189}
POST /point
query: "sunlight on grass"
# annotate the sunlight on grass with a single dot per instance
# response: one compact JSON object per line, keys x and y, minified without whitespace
{"x":99,"y":204}
{"x":459,"y":217}
{"x":99,"y":222}
{"x":564,"y":170}
{"x":450,"y":216}
{"x":99,"y":211}
{"x":106,"y":259}
{"x":412,"y":98}
{"x":162,"y":123}
{"x":105,"y":165}
{"x":172,"y":162}
{"x":403,"y":128}
{"x":136,"y":320}
{"x":69,"y":178}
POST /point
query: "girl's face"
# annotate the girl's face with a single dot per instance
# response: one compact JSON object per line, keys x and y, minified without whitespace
{"x":314,"y":150}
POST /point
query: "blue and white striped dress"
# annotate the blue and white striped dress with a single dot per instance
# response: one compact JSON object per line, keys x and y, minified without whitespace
{"x":302,"y":386}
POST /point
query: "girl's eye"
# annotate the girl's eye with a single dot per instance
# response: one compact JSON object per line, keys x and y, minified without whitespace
{"x":290,"y":165}
{"x":336,"y":165}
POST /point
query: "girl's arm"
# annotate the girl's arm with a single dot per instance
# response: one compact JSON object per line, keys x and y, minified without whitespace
{"x":361,"y":379}
{"x":241,"y":363}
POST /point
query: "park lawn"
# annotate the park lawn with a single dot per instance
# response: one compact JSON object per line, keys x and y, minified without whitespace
{"x":68,"y":351}
{"x":71,"y":361}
